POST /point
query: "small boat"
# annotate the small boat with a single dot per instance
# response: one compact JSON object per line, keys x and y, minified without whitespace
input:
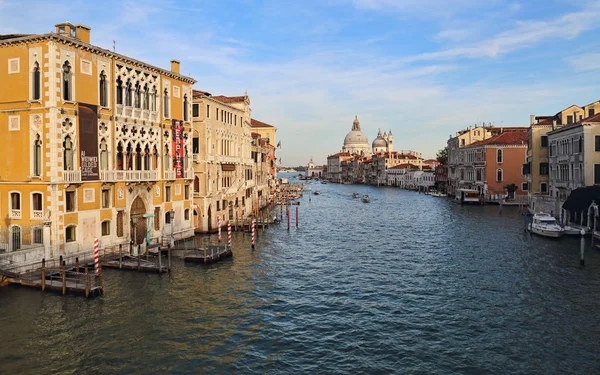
{"x":355,"y":195}
{"x":575,"y":231}
{"x":323,"y":182}
{"x":438,"y":194}
{"x":317,"y":192}
{"x":545,"y":225}
{"x":366,"y":198}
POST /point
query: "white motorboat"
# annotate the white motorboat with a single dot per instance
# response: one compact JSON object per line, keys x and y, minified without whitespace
{"x":355,"y":195}
{"x":545,"y":225}
{"x":366,"y":198}
{"x":317,"y":192}
{"x":438,"y":194}
{"x":575,"y":231}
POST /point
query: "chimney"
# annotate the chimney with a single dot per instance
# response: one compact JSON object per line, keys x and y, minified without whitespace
{"x":82,"y":32}
{"x":175,"y":66}
{"x":531,"y":119}
{"x":553,"y":124}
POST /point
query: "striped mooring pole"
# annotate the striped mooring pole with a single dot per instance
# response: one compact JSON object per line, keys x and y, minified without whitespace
{"x":219,"y":226}
{"x":229,"y":234}
{"x":253,"y":221}
{"x":96,"y":260}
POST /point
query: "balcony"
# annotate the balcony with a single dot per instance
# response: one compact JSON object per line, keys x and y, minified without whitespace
{"x":169,"y":175}
{"x":196,"y":158}
{"x":189,"y":174}
{"x":71,"y":176}
{"x":37,"y":214}
{"x":15,"y":214}
{"x":114,"y":176}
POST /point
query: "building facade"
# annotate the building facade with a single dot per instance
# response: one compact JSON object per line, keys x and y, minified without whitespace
{"x":96,"y":145}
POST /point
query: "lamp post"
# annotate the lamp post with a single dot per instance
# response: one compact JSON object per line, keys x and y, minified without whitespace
{"x":172,"y":216}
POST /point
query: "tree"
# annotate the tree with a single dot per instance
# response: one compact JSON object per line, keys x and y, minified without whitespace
{"x":511,"y":190}
{"x":442,"y":156}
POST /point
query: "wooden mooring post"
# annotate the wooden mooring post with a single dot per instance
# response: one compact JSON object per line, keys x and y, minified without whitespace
{"x":87,"y":282}
{"x":159,"y":261}
{"x":169,"y":258}
{"x":120,"y":256}
{"x":43,"y":274}
{"x":63,"y":275}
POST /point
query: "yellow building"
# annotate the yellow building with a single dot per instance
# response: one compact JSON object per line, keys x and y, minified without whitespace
{"x":222,"y":159}
{"x":94,"y":145}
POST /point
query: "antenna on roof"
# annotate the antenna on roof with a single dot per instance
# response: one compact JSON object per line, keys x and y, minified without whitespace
{"x":114,"y":46}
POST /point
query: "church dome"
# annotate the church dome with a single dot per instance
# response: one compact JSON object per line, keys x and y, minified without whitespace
{"x":356,"y":142}
{"x":379,"y":141}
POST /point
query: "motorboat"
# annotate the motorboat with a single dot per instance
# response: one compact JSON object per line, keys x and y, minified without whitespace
{"x":366,"y":198}
{"x":467,"y":196}
{"x":323,"y":181}
{"x":355,"y":195}
{"x":317,"y":192}
{"x":545,"y":225}
{"x":438,"y":194}
{"x":575,"y":231}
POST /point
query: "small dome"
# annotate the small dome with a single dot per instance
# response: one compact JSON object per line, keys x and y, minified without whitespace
{"x":379,"y":142}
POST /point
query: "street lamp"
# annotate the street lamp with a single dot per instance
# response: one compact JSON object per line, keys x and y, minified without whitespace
{"x":172,"y":216}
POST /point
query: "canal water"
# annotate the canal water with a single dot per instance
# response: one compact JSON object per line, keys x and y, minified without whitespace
{"x":407,"y":284}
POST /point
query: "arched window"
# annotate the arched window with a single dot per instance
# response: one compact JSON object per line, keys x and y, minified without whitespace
{"x":128,"y":93}
{"x":68,"y":154}
{"x":186,"y":214}
{"x":103,"y":90}
{"x":147,"y":158}
{"x":185,"y":107}
{"x":146,"y":97}
{"x":167,"y":161}
{"x":196,"y":184}
{"x":166,"y":103}
{"x":37,"y":156}
{"x":153,"y":100}
{"x":129,"y":158}
{"x":138,"y":157}
{"x":70,"y":233}
{"x":154,"y":158}
{"x":119,"y":90}
{"x":499,"y":156}
{"x":499,"y":175}
{"x":36,"y":82}
{"x":104,"y":155}
{"x":120,"y":164}
{"x":138,"y":95}
{"x":185,"y":159}
{"x":67,"y":84}
{"x":36,"y":202}
{"x":15,"y":201}
{"x":15,"y":237}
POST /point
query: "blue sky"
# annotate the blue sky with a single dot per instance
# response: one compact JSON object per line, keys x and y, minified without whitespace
{"x":422,"y":68}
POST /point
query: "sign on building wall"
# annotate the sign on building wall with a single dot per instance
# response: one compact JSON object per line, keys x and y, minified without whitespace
{"x":88,"y":142}
{"x":177,"y":137}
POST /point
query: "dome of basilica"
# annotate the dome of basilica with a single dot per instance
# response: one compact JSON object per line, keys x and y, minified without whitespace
{"x":356,"y":142}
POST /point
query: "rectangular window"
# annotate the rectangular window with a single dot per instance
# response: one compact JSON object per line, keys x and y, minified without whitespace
{"x":196,"y":110}
{"x":544,"y":141}
{"x":186,"y":191}
{"x":596,"y":174}
{"x":156,"y":218}
{"x":590,"y":112}
{"x":70,"y":233}
{"x":36,"y":201}
{"x":167,"y":194}
{"x":106,"y":228}
{"x":167,"y":218}
{"x":544,"y":187}
{"x":207,"y":111}
{"x":597,"y":143}
{"x":218,"y":205}
{"x":186,"y":214}
{"x":543,"y":169}
{"x":569,"y":120}
{"x":217,"y":114}
{"x":120,"y":224}
{"x":70,"y":201}
{"x":38,"y":235}
{"x":580,"y":144}
{"x":524,"y":186}
{"x":105,"y":198}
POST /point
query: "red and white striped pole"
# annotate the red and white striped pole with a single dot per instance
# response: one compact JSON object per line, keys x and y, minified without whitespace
{"x":96,"y":260}
{"x":219,"y":226}
{"x":253,"y":221}
{"x":229,"y":234}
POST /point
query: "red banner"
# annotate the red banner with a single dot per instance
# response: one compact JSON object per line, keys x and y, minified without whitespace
{"x":177,"y":136}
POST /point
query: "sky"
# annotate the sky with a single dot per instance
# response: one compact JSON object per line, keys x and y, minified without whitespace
{"x":421,"y":68}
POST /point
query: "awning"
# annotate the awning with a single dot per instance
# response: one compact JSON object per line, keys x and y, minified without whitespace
{"x":228,"y":167}
{"x":581,"y":198}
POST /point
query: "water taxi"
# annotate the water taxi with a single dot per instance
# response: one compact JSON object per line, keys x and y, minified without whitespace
{"x":545,"y":225}
{"x":366,"y":198}
{"x":438,"y":194}
{"x":317,"y":192}
{"x":467,"y":196}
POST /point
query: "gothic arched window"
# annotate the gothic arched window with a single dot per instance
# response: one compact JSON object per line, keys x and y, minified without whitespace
{"x":103,"y":90}
{"x":36,"y":82}
{"x":67,"y":84}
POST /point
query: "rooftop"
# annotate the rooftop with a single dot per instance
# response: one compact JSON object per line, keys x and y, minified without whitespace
{"x":504,"y":139}
{"x":260,"y":124}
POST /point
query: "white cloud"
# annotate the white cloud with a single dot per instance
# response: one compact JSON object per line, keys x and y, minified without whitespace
{"x":585,"y":62}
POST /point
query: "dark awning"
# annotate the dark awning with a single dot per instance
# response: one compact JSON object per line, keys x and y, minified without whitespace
{"x":581,"y":198}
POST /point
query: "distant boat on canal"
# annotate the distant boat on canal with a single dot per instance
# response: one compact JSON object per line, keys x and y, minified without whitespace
{"x":317,"y":192}
{"x":366,"y":198}
{"x":355,"y":195}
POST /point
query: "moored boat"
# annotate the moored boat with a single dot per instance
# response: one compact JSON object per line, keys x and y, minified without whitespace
{"x":545,"y":225}
{"x":317,"y":192}
{"x":438,"y":194}
{"x":355,"y":195}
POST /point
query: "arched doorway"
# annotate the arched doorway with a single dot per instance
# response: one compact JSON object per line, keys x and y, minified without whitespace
{"x":209,"y":214}
{"x":138,"y":221}
{"x":197,"y":222}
